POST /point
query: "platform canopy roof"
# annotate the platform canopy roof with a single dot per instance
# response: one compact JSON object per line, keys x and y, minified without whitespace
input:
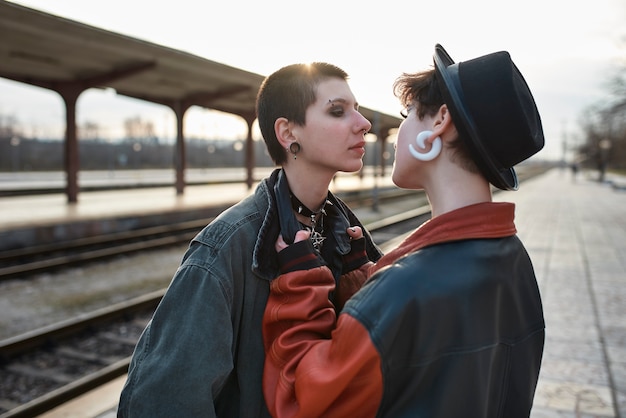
{"x":48,"y":51}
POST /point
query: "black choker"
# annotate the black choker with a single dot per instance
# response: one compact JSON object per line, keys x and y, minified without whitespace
{"x":303,"y":210}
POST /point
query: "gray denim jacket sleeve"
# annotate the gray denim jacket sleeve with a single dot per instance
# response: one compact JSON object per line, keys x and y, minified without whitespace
{"x":202,"y":354}
{"x":185,"y":354}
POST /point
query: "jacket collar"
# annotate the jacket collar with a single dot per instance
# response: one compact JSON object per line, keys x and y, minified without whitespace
{"x":264,"y":260}
{"x":272,"y":199}
{"x":482,"y":220}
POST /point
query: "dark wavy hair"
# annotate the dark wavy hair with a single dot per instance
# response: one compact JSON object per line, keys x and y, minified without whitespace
{"x":422,"y":90}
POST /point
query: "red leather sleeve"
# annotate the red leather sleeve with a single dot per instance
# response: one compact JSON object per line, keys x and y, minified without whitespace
{"x":350,"y":283}
{"x":312,"y":368}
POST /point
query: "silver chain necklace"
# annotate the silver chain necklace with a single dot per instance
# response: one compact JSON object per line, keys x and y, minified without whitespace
{"x":317,"y":236}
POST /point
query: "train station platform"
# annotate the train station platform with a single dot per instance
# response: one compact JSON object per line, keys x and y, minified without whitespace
{"x":574,"y":231}
{"x":27,"y":220}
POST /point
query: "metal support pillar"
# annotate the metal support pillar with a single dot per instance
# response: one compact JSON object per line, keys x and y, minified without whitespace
{"x":180,"y":162}
{"x":70,"y":149}
{"x":249,"y":153}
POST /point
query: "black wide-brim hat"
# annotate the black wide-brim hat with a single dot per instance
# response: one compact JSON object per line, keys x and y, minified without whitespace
{"x":493,"y":108}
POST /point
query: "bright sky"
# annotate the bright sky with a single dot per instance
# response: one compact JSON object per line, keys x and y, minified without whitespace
{"x":567,"y":51}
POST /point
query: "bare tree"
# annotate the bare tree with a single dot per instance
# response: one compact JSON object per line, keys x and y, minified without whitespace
{"x":9,"y":126}
{"x":604,"y":126}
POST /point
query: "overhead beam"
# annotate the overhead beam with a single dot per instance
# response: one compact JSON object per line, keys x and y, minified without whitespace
{"x":98,"y":80}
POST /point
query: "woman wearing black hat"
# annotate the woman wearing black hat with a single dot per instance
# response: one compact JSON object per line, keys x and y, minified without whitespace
{"x":450,"y":323}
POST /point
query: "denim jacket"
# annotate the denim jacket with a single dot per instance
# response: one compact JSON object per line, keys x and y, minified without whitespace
{"x":202,"y":353}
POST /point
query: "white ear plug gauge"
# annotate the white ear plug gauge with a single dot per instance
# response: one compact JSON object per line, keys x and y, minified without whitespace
{"x":421,"y":139}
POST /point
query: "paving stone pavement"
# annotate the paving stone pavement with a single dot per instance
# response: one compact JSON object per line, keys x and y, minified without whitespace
{"x":574,"y":231}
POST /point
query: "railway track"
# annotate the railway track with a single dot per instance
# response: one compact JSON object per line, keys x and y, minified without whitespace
{"x":47,"y":367}
{"x":52,"y":365}
{"x":24,"y":262}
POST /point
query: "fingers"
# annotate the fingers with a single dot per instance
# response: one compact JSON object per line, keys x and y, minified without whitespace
{"x":280,"y":244}
{"x":355,"y":232}
{"x":300,"y":236}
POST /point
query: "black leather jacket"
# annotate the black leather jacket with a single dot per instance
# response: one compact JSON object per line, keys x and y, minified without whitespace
{"x":465,"y":339}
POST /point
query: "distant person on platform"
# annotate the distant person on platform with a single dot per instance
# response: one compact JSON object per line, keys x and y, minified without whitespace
{"x":450,"y":324}
{"x":202,"y":354}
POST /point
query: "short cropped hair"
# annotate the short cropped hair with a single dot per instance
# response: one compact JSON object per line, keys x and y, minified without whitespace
{"x":287,"y":93}
{"x":422,"y":90}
